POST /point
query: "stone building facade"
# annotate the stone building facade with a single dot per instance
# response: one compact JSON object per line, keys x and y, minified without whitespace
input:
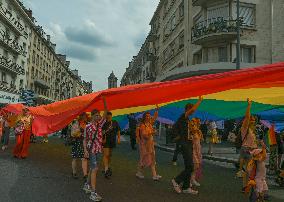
{"x":194,"y":37}
{"x":29,"y":62}
{"x":14,"y":39}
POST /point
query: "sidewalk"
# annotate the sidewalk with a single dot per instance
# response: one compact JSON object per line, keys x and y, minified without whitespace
{"x":222,"y":152}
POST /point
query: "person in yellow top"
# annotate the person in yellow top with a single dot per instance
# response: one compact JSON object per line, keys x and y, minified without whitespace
{"x":23,"y":139}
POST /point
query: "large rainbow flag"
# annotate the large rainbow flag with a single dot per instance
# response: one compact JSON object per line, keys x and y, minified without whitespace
{"x":225,"y":96}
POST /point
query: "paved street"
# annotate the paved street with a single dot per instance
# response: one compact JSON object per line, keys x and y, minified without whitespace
{"x":46,"y":176}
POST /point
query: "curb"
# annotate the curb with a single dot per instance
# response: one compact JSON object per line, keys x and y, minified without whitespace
{"x":204,"y":156}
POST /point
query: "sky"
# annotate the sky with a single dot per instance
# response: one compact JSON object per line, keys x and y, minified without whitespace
{"x":98,"y":36}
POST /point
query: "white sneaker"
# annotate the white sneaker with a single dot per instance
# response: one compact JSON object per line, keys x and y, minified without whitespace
{"x":87,"y":188}
{"x":95,"y":197}
{"x":174,"y":163}
{"x":140,"y":175}
{"x":190,"y":191}
{"x":195,"y":183}
{"x":176,"y":186}
{"x":157,"y":178}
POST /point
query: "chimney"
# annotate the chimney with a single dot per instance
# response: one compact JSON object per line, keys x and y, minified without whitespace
{"x":67,"y":63}
{"x":30,"y":13}
{"x":48,"y":38}
{"x":75,"y":72}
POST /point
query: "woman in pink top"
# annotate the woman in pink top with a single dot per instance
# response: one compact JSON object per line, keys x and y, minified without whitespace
{"x":145,"y":139}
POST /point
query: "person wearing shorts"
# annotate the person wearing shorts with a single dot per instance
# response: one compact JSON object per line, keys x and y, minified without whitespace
{"x":93,"y":148}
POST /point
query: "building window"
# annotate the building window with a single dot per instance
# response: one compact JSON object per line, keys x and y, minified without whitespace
{"x":247,"y":12}
{"x":4,"y":78}
{"x":24,"y":46}
{"x":172,"y":47}
{"x":222,"y":52}
{"x":173,"y":22}
{"x":247,"y":54}
{"x":33,"y":57}
{"x":197,"y":58}
{"x":181,"y":40}
{"x":218,"y":11}
{"x":5,"y":54}
{"x":181,"y":9}
{"x":21,"y":83}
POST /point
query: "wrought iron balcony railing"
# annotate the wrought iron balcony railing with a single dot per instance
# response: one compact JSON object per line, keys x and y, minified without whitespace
{"x":11,"y":66}
{"x":8,"y":16}
{"x":11,"y":44}
{"x":214,"y":25}
{"x":8,"y":88}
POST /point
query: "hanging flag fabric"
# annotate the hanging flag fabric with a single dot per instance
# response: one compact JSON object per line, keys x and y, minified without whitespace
{"x":264,"y":85}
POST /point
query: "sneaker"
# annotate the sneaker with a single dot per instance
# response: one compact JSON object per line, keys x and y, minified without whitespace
{"x":174,"y":163}
{"x":87,"y":188}
{"x":140,"y":175}
{"x":190,"y":191}
{"x":157,"y":178}
{"x":195,"y":183}
{"x":176,"y":186}
{"x":95,"y":197}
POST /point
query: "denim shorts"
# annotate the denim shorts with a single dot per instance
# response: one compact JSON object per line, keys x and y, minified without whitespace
{"x":94,"y":160}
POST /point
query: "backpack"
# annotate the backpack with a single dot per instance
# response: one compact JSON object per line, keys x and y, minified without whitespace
{"x":174,"y":133}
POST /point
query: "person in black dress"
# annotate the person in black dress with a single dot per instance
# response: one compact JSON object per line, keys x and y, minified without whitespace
{"x":77,"y":150}
{"x":132,"y":129}
{"x":111,"y":135}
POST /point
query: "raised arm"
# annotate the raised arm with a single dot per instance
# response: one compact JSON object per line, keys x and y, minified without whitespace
{"x":247,"y":117}
{"x":156,"y":114}
{"x":194,"y":108}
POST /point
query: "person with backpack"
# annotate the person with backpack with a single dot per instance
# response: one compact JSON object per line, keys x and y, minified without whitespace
{"x":249,"y":143}
{"x":184,"y":136}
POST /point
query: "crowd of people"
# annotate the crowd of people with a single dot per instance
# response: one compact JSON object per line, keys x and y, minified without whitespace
{"x":93,"y":138}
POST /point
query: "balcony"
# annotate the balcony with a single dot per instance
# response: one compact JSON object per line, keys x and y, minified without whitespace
{"x":12,"y":45}
{"x":41,"y":83}
{"x":214,"y":30}
{"x":7,"y":16}
{"x":151,"y":57}
{"x":10,"y":66}
{"x":152,"y":36}
{"x":4,"y":86}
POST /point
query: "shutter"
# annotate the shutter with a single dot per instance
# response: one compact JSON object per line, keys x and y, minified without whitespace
{"x":247,"y":13}
{"x":220,"y":11}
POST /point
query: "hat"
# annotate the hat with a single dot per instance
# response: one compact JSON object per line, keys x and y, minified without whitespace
{"x":256,"y":152}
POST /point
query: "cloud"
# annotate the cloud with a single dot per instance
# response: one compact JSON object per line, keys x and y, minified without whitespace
{"x":88,"y":34}
{"x":79,"y":52}
{"x":97,"y":36}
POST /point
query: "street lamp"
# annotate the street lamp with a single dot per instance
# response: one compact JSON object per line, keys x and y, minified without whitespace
{"x":238,"y":61}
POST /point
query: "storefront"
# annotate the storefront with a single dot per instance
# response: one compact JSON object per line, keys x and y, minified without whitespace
{"x":7,"y":98}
